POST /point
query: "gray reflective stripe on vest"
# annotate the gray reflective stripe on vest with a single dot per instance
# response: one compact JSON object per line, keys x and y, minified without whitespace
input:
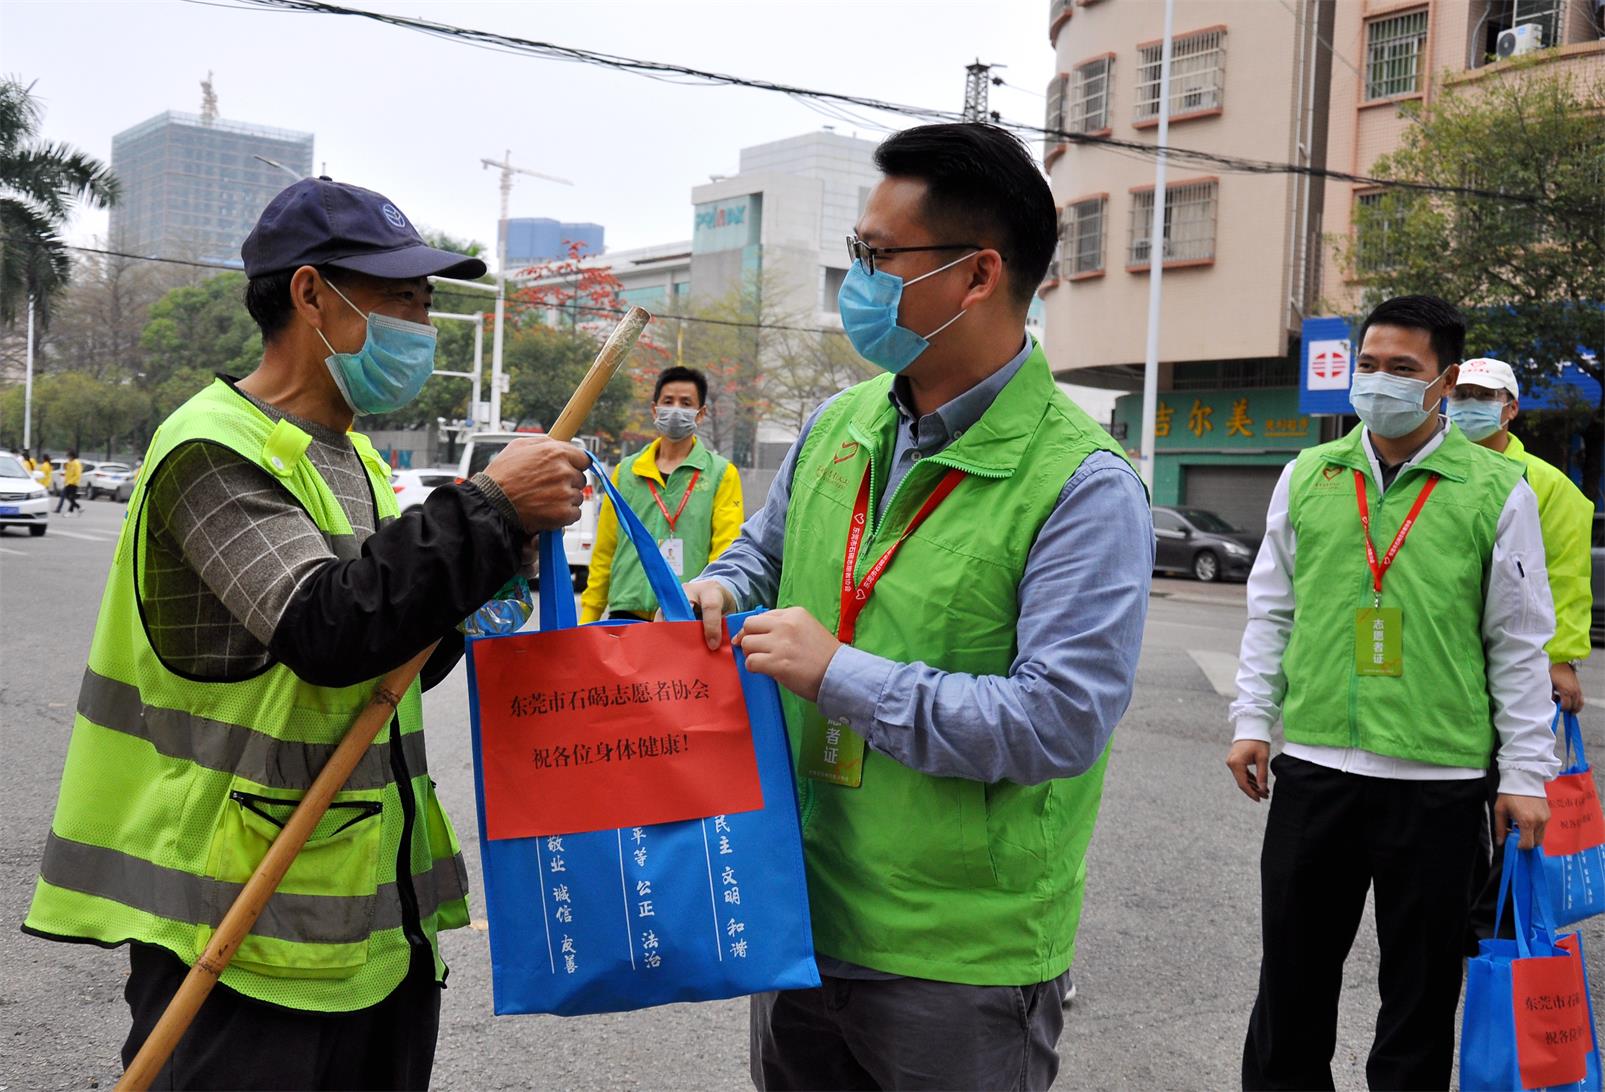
{"x":180,"y":896}
{"x":232,"y":748}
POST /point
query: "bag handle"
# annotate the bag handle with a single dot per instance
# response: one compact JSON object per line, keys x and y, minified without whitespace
{"x":1574,"y":737}
{"x":557,"y":611}
{"x":1523,"y":880}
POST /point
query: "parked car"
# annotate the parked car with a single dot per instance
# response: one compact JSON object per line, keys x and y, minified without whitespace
{"x":1597,"y":552}
{"x":23,"y":501}
{"x":58,"y":474}
{"x":414,"y":486}
{"x":578,"y":537}
{"x":114,"y":480}
{"x":1197,"y":541}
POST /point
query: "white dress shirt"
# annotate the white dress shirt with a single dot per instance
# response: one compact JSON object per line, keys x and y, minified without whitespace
{"x":1518,"y":618}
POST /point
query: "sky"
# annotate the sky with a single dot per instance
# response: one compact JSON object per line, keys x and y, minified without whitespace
{"x":412,"y":115}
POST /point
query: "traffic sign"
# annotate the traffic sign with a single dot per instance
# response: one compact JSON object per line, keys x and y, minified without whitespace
{"x":1327,"y":366}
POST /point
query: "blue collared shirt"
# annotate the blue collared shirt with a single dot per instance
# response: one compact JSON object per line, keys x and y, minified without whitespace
{"x":1083,"y":599}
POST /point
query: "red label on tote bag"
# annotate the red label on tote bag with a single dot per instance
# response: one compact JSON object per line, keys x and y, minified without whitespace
{"x":1575,"y":822}
{"x":1553,"y":1031}
{"x":602,"y":727}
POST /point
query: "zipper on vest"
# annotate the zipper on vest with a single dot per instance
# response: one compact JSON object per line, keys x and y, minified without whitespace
{"x":411,"y":923}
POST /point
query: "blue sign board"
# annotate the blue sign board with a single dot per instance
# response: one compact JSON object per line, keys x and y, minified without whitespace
{"x":1326,"y":367}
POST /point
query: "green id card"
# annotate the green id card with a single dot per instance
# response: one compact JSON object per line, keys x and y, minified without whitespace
{"x":1379,"y":641}
{"x":831,"y":752}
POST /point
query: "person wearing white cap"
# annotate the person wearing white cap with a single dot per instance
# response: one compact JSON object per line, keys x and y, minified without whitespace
{"x":1484,"y":405}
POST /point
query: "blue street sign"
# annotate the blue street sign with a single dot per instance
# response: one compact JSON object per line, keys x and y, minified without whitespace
{"x":1326,"y":368}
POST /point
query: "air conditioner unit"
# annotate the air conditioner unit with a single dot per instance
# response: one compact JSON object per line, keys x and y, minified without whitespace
{"x":1526,"y":38}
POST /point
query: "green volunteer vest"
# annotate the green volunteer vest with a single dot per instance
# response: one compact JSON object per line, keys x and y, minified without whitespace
{"x":932,"y":877}
{"x":627,"y":586}
{"x":174,"y":787}
{"x":1438,"y":710}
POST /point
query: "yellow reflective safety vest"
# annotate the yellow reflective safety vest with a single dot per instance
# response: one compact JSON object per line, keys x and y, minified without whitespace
{"x":174,"y":787}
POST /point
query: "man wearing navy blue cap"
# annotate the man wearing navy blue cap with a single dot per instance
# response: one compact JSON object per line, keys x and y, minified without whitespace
{"x":263,"y":584}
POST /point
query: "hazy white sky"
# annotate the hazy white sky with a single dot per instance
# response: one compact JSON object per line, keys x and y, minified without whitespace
{"x":411,"y":115}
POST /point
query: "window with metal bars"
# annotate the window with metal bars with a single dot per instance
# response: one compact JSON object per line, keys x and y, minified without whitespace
{"x":1197,"y":74}
{"x":1379,"y":217}
{"x":1054,"y":122}
{"x":1089,"y":98}
{"x":1189,"y":223}
{"x":1546,"y":13}
{"x":1082,"y":237}
{"x":1393,"y":48}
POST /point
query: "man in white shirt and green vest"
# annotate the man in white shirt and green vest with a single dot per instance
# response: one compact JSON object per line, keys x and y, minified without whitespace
{"x":960,"y":560}
{"x":263,"y":584}
{"x":1397,"y":615}
{"x":686,"y":495}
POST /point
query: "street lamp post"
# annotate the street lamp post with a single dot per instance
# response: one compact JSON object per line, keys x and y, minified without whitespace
{"x":1156,"y":262}
{"x":27,"y":387}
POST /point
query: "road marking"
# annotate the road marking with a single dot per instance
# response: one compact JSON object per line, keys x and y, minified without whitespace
{"x":13,"y":553}
{"x":84,"y":537}
{"x":1220,"y":668}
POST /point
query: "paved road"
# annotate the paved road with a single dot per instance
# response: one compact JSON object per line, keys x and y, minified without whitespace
{"x":1168,"y":947}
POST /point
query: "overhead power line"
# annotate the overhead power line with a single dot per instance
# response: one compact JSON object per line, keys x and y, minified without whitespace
{"x":686,"y":74}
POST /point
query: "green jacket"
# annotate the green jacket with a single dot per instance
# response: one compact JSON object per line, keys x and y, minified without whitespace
{"x":1567,"y":519}
{"x":933,"y":877}
{"x":174,"y":787}
{"x":1437,"y":710}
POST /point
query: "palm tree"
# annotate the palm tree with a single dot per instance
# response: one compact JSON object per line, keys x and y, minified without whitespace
{"x":40,"y":182}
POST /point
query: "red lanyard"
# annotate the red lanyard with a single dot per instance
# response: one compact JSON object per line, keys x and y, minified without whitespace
{"x":855,"y":597}
{"x":665,"y":508}
{"x":1379,"y":568}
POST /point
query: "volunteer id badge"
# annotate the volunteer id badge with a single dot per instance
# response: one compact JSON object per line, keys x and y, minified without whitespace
{"x":832,"y":753}
{"x":1379,"y":641}
{"x":673,"y":551}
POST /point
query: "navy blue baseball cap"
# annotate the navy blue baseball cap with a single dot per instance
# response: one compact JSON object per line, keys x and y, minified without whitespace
{"x":318,"y":221}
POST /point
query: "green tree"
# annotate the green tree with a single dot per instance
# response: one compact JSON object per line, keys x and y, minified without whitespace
{"x":1527,"y":269}
{"x":195,"y":332}
{"x":40,"y":183}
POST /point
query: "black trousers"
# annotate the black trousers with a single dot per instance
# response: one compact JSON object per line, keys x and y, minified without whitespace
{"x":907,"y":1033}
{"x":69,"y":495}
{"x":1329,"y":838}
{"x":1485,"y":881}
{"x":239,"y":1043}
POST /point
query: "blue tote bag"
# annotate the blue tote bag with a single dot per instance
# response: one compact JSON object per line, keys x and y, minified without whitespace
{"x":1529,"y":1020}
{"x":621,"y":919}
{"x":1574,"y":842}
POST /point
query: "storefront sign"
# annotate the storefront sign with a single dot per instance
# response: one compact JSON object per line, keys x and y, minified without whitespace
{"x":1328,"y":366}
{"x":1241,"y":420}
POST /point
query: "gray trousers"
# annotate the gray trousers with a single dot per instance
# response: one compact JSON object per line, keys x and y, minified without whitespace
{"x":907,"y":1033}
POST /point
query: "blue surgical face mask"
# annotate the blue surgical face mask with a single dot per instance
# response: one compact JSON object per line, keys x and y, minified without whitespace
{"x":1390,"y":405}
{"x":1478,"y":419}
{"x":396,"y":359}
{"x":868,"y":304}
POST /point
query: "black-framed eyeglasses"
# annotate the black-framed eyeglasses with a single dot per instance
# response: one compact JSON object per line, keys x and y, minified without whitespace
{"x":860,"y":251}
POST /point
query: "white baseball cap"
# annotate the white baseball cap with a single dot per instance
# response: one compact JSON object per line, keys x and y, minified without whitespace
{"x":1487,"y":372}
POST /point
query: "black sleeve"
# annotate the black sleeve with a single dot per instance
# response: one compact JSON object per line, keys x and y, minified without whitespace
{"x":418,"y":576}
{"x":444,"y":658}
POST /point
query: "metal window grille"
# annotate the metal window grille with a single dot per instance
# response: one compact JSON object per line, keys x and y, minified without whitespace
{"x":1197,"y":74}
{"x":1058,"y":87}
{"x":1393,"y":55}
{"x":1083,"y":236}
{"x":1089,"y":101}
{"x":1546,"y":13}
{"x":1189,"y":223}
{"x":1379,"y":249}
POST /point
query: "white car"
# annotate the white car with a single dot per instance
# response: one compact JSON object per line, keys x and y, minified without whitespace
{"x":114,"y":480}
{"x":578,"y":537}
{"x":23,"y":501}
{"x":414,"y":486}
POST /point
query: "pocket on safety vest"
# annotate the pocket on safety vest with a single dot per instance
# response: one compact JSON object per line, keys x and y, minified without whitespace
{"x":318,"y":922}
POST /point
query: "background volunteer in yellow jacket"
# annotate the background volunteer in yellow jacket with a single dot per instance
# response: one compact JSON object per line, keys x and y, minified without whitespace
{"x":263,"y":582}
{"x":1484,"y":405}
{"x":1397,"y":615}
{"x":72,"y":473}
{"x":688,"y":497}
{"x":950,"y":716}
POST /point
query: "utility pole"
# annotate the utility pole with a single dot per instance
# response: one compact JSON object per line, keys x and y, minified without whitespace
{"x":977,"y":79}
{"x":505,"y":165}
{"x":1156,"y":260}
{"x":27,"y":389}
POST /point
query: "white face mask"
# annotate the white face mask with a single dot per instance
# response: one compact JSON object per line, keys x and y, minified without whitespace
{"x":1390,"y":405}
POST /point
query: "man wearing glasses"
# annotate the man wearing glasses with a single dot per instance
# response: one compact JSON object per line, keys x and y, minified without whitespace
{"x":959,"y":558}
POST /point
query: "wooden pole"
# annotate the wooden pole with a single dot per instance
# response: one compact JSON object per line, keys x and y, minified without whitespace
{"x":248,"y":905}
